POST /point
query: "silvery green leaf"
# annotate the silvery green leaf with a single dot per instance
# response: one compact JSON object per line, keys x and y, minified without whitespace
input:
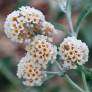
{"x":62,"y":5}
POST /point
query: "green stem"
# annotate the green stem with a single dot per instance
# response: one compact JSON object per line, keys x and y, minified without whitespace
{"x":59,"y":66}
{"x":74,"y":84}
{"x":69,"y":80}
{"x":52,"y":72}
{"x":67,"y":12}
{"x":84,"y":81}
{"x":70,"y":24}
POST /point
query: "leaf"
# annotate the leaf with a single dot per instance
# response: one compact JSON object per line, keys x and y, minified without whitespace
{"x":7,"y":73}
{"x":87,"y":71}
{"x":81,"y":17}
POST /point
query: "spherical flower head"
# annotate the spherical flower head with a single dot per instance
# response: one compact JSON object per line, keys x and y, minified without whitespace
{"x":23,"y":24}
{"x":42,"y":51}
{"x":30,"y":72}
{"x":48,"y":29}
{"x":73,"y":52}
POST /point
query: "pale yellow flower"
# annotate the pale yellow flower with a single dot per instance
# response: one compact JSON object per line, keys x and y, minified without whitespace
{"x":73,"y":52}
{"x":41,"y":50}
{"x":30,"y":72}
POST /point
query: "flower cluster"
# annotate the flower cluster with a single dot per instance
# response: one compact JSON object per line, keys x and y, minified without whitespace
{"x":41,"y":50}
{"x":29,"y":25}
{"x":25,"y":23}
{"x":73,"y":52}
{"x":31,"y":73}
{"x":31,"y":67}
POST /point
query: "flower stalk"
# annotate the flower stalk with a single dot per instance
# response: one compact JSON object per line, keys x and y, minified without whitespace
{"x":53,"y":73}
{"x":84,"y":81}
{"x":69,"y":80}
{"x":71,"y":29}
{"x":73,"y":83}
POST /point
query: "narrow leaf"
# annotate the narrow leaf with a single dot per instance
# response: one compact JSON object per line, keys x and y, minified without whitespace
{"x":81,"y":17}
{"x":7,"y":73}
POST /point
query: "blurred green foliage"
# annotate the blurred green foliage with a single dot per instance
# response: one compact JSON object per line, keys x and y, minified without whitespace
{"x":21,"y":3}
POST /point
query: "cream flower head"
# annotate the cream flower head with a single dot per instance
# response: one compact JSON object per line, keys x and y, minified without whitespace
{"x":41,"y":50}
{"x":23,"y":24}
{"x":73,"y":52}
{"x":30,"y":72}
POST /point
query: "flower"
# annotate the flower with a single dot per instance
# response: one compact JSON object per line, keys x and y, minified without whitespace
{"x":41,"y":50}
{"x":23,"y":24}
{"x":48,"y":28}
{"x":30,"y":72}
{"x":73,"y":52}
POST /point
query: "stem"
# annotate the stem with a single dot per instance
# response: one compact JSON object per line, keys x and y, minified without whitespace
{"x":69,"y":80}
{"x":84,"y":81}
{"x":77,"y":31}
{"x":74,"y":84}
{"x":67,"y":12}
{"x":52,"y":72}
{"x":59,"y":66}
{"x":70,"y":24}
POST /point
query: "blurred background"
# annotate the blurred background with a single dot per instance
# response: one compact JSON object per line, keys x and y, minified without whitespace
{"x":11,"y":53}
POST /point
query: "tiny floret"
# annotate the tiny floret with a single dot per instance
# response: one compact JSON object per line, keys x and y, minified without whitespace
{"x":73,"y":52}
